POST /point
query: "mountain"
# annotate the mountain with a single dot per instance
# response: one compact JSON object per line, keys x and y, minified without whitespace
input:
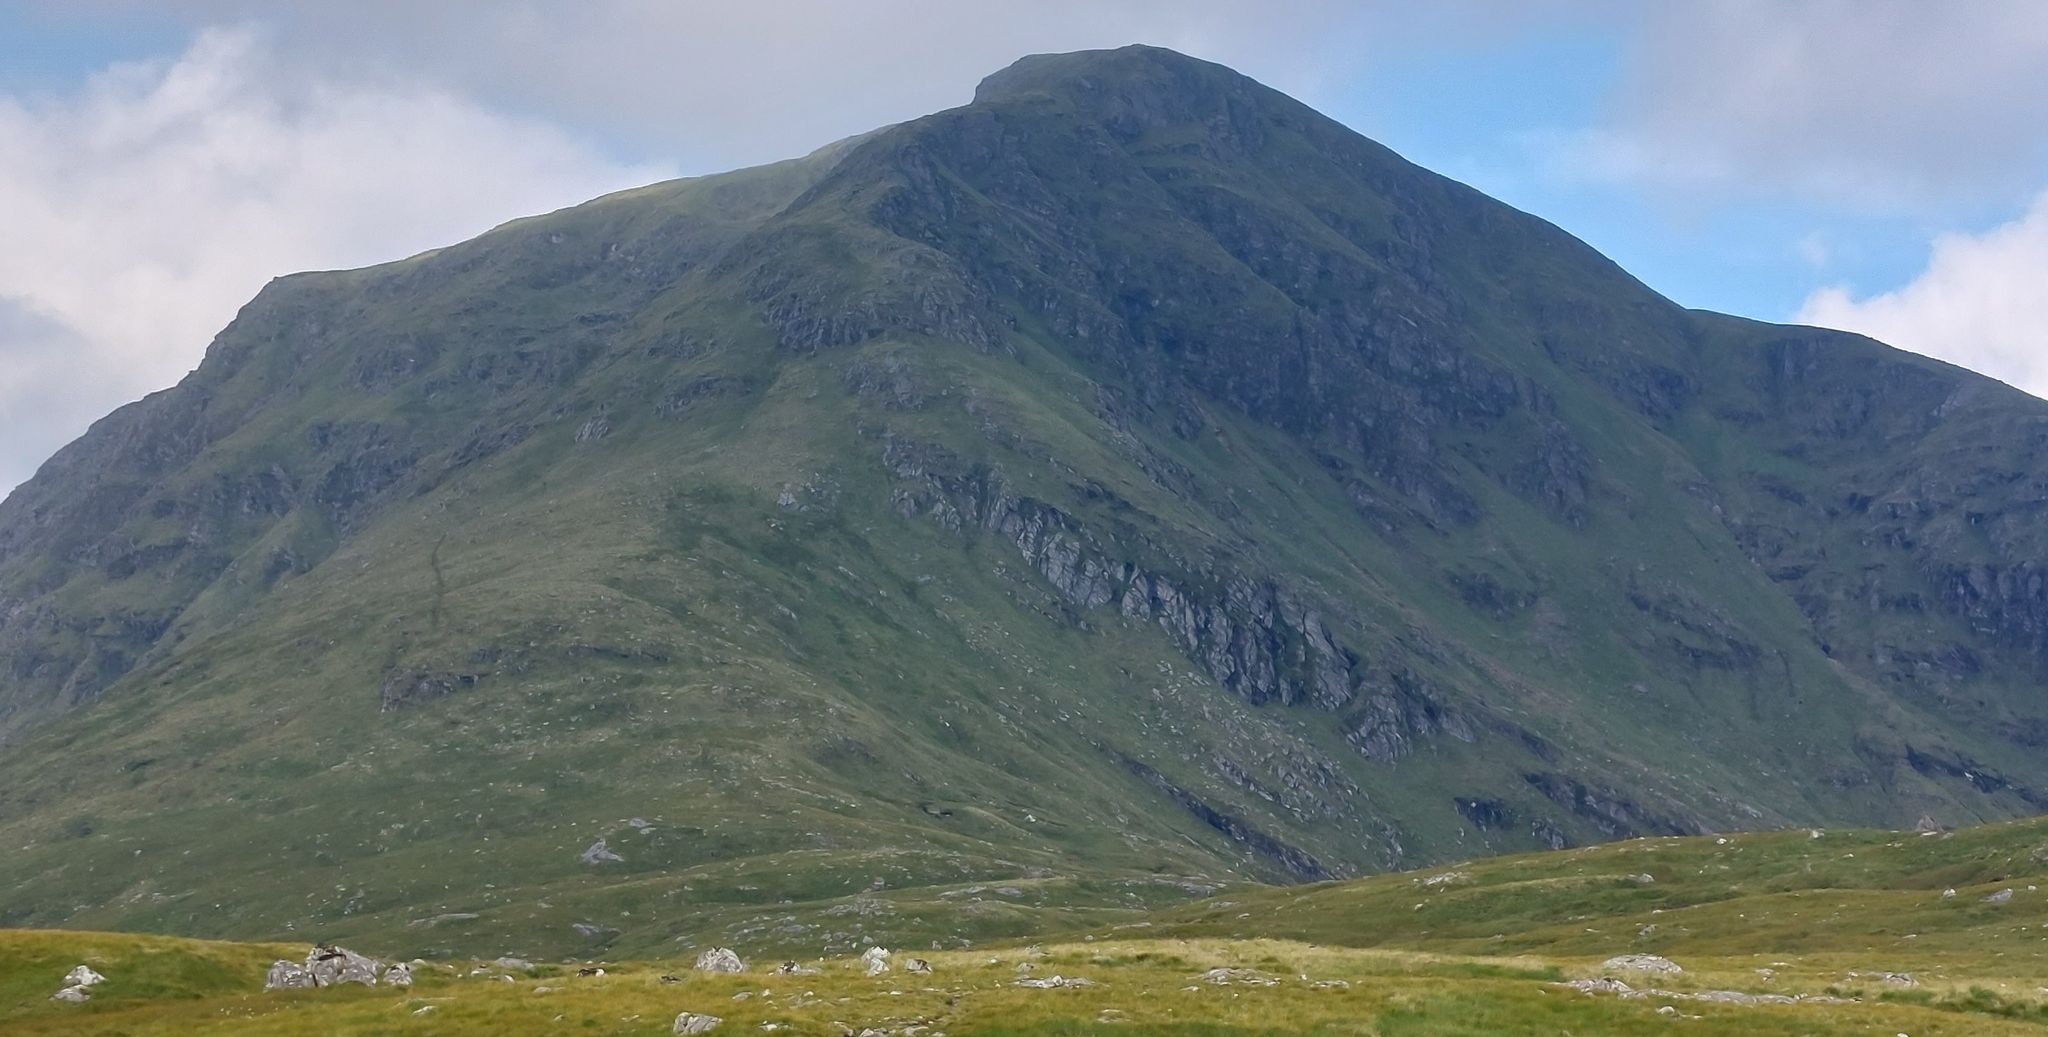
{"x":1129,"y":483}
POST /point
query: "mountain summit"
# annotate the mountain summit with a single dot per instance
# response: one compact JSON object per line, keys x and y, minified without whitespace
{"x":1129,"y":482}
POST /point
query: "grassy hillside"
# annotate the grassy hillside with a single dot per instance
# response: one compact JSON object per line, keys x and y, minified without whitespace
{"x":1847,"y":932}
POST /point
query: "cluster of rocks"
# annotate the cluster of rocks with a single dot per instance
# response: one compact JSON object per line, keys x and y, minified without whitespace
{"x":1056,"y":982}
{"x":1641,"y":963}
{"x":1606,"y":985}
{"x":78,"y":984}
{"x":328,"y":966}
{"x":1224,"y":977}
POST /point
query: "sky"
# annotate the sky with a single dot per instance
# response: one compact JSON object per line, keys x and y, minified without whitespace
{"x":1874,"y":165}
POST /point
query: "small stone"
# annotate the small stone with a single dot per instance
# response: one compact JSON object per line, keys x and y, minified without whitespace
{"x":1056,"y":982}
{"x":691,"y":1023}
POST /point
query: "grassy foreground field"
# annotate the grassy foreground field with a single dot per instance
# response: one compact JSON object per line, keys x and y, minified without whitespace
{"x":1794,"y":933}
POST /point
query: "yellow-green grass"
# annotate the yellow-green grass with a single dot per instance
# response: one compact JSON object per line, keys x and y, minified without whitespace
{"x":1140,"y":987}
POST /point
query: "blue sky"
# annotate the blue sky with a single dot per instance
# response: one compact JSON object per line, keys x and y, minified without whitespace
{"x":1877,"y":165}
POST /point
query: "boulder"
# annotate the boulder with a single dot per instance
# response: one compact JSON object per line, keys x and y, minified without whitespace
{"x":74,"y":994}
{"x":335,"y":965}
{"x":288,"y":975}
{"x":691,"y":1023}
{"x":599,"y":853}
{"x":875,"y":960}
{"x":514,"y":964}
{"x":720,"y":959}
{"x":917,"y":965}
{"x":83,"y":976}
{"x":399,"y":975}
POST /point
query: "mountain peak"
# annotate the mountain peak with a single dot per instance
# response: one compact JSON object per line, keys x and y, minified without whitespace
{"x":1128,"y":74}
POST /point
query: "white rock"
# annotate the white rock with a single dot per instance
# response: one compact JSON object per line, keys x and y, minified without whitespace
{"x":720,"y":959}
{"x":691,"y":1023}
{"x":75,"y":995}
{"x":1641,"y":963}
{"x":334,"y":965}
{"x":876,"y":960}
{"x":288,"y":975}
{"x":83,"y":976}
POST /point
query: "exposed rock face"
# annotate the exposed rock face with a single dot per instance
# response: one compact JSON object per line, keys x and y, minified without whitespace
{"x":1292,"y":859}
{"x":720,"y":959}
{"x":1254,"y":637}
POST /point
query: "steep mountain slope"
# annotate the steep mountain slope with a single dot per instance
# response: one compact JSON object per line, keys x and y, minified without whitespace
{"x":1129,"y":481}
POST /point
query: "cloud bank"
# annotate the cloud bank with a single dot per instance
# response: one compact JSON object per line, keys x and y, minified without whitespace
{"x":1876,"y":103}
{"x":143,"y":209}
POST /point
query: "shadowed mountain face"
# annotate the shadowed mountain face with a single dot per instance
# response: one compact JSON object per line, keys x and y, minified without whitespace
{"x":1128,"y":481}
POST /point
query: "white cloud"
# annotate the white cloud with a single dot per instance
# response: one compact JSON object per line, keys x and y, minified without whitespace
{"x":143,"y":209}
{"x":1898,"y":104}
{"x":1982,"y":303}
